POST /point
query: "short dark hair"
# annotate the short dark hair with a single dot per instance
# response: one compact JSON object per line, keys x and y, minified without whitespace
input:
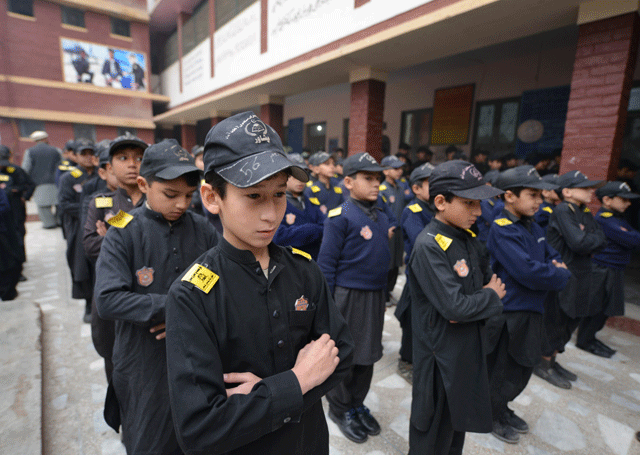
{"x":190,"y":178}
{"x":448,"y":197}
{"x":515,"y":190}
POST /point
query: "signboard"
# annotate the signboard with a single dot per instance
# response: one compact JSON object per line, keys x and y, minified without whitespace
{"x":452,"y":115}
{"x":103,"y":66}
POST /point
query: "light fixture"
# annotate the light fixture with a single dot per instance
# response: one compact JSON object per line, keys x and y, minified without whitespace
{"x":319,"y":127}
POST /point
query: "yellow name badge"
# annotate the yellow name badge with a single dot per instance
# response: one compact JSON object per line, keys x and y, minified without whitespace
{"x":443,"y":241}
{"x":201,"y":277}
{"x":337,"y":189}
{"x":315,"y":188}
{"x":502,"y":222}
{"x":335,"y":212}
{"x":606,"y":214}
{"x":4,"y":178}
{"x":314,"y":200}
{"x":104,"y":202}
{"x":120,"y":219}
{"x":76,"y":173}
{"x":415,"y":208}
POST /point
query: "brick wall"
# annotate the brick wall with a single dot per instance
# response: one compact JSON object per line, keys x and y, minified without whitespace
{"x":365,"y":117}
{"x":601,"y":82}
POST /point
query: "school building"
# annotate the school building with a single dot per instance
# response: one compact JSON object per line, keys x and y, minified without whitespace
{"x":518,"y":75}
{"x":74,"y":68}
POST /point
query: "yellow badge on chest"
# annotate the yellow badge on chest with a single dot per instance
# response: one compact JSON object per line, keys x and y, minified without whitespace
{"x":443,"y":241}
{"x":548,"y":209}
{"x":314,"y":200}
{"x":201,"y":277}
{"x":76,"y":173}
{"x":335,"y":212}
{"x":415,"y":208}
{"x":606,"y":214}
{"x":503,"y":222}
{"x":120,"y":219}
{"x":4,"y":178}
{"x":337,"y":189}
{"x":315,"y":188}
{"x":104,"y":202}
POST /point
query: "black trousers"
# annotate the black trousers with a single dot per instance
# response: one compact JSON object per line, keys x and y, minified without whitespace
{"x":588,"y":328}
{"x":507,"y":378}
{"x":440,"y":438}
{"x":558,"y":327}
{"x":352,"y":391}
{"x":8,"y":281}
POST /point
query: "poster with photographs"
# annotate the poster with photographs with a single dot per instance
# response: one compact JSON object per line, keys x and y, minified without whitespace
{"x":103,"y":66}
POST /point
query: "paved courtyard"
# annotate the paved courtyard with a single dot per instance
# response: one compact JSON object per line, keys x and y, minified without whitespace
{"x":598,"y":416}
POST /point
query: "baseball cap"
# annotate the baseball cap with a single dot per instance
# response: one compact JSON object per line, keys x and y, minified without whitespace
{"x":244,"y":151}
{"x":491,"y":176}
{"x":421,"y":172}
{"x":38,"y":136}
{"x":360,"y":162}
{"x":551,"y":178}
{"x":461,"y":179}
{"x":613,"y":189}
{"x":576,"y":179}
{"x":124,"y":140}
{"x":5,"y":154}
{"x":83,"y":144}
{"x":70,"y":145}
{"x":392,"y":161}
{"x":297,"y":159}
{"x":103,"y":156}
{"x":166,"y":160}
{"x":197,"y":150}
{"x":525,"y":176}
{"x":318,"y":158}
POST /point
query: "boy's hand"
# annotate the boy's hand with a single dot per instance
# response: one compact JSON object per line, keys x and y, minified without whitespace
{"x":391,"y":231}
{"x":101,"y":228}
{"x":496,"y":285}
{"x":246,"y":381}
{"x":315,"y":362}
{"x":560,"y":265}
{"x":158,"y":328}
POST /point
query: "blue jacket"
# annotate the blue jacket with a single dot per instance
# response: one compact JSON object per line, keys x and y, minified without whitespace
{"x":302,"y":228}
{"x":415,"y":217}
{"x":395,"y":197}
{"x":328,"y":198}
{"x":622,"y":239}
{"x":542,"y":215}
{"x":491,"y":209}
{"x":521,"y":257}
{"x":355,"y":250}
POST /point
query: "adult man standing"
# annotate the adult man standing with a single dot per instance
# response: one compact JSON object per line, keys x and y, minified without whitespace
{"x":41,"y":162}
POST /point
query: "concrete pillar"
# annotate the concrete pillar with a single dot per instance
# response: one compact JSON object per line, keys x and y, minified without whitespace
{"x":600,"y":86}
{"x":366,"y":113}
{"x":272,"y":113}
{"x":187,"y":136}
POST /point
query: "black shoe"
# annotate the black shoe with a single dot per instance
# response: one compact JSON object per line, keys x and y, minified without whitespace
{"x":515,"y":422}
{"x":595,"y":349}
{"x":638,"y":435}
{"x":86,"y":318}
{"x":552,"y":377}
{"x":350,"y":425}
{"x":605,"y":347}
{"x":562,"y":371}
{"x":504,"y":432}
{"x":22,"y":278}
{"x":369,"y":423}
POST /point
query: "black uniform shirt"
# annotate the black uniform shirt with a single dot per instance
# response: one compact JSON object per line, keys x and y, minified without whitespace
{"x":248,"y":323}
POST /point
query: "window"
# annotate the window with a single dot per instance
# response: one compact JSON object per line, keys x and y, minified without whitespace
{"x":72,"y":16}
{"x":120,"y":27}
{"x":24,"y":7}
{"x":171,"y":50}
{"x":122,"y":130}
{"x":345,"y":134}
{"x":228,"y":9}
{"x":316,"y":136}
{"x":81,"y":131}
{"x":29,"y":126}
{"x":415,"y":128}
{"x":196,"y":29}
{"x":496,"y":124}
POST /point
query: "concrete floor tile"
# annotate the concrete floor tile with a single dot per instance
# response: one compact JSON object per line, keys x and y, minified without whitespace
{"x":559,"y":431}
{"x":616,"y":435}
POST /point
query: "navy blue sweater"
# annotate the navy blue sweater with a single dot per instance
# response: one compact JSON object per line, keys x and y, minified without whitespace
{"x":328,"y":198}
{"x":302,"y":229}
{"x":491,"y":209}
{"x":622,"y":239}
{"x":415,"y":217}
{"x":521,"y":257}
{"x":355,"y":250}
{"x":542,"y":215}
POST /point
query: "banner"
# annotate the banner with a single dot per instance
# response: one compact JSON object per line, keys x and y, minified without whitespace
{"x":103,"y":66}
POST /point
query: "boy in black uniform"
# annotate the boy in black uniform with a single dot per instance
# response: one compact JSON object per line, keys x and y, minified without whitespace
{"x":253,"y":337}
{"x":574,"y":233}
{"x":12,"y":257}
{"x":609,"y":264}
{"x":354,"y":257}
{"x":70,"y":204}
{"x":453,"y":292}
{"x":123,"y":159}
{"x":415,"y":217}
{"x":529,"y":268}
{"x":139,"y":259}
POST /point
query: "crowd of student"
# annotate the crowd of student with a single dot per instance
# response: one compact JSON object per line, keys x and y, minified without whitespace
{"x":230,"y":288}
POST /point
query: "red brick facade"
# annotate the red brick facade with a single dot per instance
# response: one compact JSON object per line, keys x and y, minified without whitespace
{"x":365,"y":117}
{"x":272,"y":115}
{"x":600,"y":87}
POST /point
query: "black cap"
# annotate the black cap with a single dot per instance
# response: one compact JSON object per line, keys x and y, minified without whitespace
{"x":5,"y":154}
{"x":551,"y":178}
{"x":613,"y":189}
{"x":318,"y":158}
{"x":197,"y":150}
{"x":392,"y":162}
{"x":491,"y":176}
{"x":167,"y":161}
{"x":461,"y":179}
{"x":421,"y":172}
{"x":244,"y":151}
{"x":525,"y":176}
{"x":104,"y":156}
{"x":70,"y":145}
{"x":297,"y":159}
{"x":360,"y":162}
{"x":83,"y":144}
{"x":576,"y":179}
{"x":126,"y":139}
